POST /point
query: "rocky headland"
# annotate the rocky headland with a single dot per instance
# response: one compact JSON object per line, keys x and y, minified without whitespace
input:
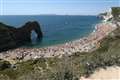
{"x":11,"y":37}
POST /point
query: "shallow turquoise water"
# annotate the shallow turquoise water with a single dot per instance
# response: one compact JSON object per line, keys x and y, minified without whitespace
{"x":56,"y":29}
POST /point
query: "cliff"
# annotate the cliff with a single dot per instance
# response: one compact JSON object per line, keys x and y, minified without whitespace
{"x":112,"y":15}
{"x":11,"y":37}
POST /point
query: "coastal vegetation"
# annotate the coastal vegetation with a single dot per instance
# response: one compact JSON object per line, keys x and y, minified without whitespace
{"x":116,"y":12}
{"x":68,"y":67}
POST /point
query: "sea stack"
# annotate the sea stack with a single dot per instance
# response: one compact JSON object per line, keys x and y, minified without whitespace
{"x":11,"y":37}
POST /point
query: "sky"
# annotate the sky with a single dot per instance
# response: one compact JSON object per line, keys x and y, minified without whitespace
{"x":58,"y":7}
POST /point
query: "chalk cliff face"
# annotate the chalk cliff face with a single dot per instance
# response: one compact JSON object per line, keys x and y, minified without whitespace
{"x":11,"y":37}
{"x":113,"y":14}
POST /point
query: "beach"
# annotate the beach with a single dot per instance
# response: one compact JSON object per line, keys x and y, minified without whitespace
{"x":85,"y":44}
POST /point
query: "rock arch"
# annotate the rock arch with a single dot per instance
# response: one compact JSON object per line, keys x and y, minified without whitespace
{"x":24,"y":33}
{"x":12,"y":37}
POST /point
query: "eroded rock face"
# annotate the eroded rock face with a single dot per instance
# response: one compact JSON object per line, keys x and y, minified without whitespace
{"x":11,"y":37}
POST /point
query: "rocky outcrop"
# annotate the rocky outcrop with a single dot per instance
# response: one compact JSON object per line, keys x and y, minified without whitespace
{"x":112,"y":15}
{"x":11,"y":37}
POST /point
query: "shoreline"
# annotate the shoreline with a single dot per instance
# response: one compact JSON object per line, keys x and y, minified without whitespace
{"x":85,"y":44}
{"x":67,"y":41}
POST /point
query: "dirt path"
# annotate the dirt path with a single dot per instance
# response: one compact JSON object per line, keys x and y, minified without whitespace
{"x":111,"y":73}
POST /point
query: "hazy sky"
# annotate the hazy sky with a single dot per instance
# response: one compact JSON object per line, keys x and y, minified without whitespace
{"x":60,"y":7}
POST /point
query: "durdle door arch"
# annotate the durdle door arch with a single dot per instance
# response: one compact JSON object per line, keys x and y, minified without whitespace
{"x":12,"y":37}
{"x":27,"y":29}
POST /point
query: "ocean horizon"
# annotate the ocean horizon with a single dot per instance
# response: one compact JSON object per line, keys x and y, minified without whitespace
{"x":57,"y":29}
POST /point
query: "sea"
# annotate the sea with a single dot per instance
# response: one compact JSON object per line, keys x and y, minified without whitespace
{"x":57,"y":29}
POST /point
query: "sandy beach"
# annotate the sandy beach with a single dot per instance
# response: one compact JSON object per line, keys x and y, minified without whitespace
{"x":111,"y":73}
{"x":85,"y":44}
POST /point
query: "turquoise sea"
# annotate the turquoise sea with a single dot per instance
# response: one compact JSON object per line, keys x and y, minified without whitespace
{"x":57,"y":29}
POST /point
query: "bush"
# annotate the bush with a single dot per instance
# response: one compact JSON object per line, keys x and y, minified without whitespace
{"x":4,"y":65}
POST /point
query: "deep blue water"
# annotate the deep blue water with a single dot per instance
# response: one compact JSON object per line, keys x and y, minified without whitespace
{"x":56,"y":29}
